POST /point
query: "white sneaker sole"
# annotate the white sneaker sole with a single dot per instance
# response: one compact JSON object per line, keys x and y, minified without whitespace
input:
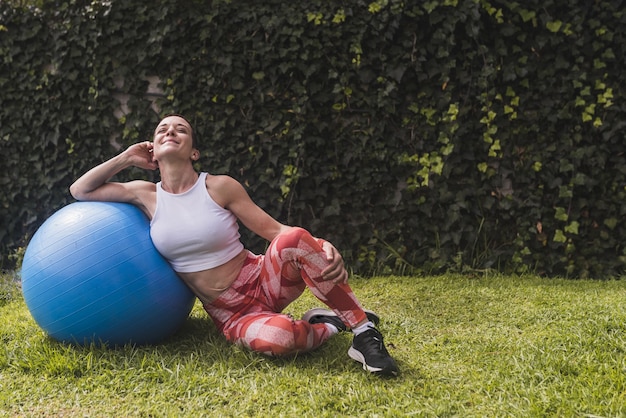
{"x":317,"y":311}
{"x":327,"y":312}
{"x":356,"y":355}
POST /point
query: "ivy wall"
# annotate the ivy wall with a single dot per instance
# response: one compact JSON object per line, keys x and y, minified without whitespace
{"x":418,"y":137}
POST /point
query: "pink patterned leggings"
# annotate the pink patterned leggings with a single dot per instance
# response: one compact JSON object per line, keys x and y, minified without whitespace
{"x":249,"y":311}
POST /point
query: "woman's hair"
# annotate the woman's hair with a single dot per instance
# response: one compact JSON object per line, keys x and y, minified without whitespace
{"x":194,"y":141}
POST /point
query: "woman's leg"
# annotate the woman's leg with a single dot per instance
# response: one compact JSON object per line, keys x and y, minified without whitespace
{"x":248,"y":313}
{"x":276,"y":334}
{"x":298,"y":259}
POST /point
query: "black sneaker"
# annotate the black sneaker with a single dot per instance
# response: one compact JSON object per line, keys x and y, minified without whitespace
{"x":321,"y":315}
{"x":369,"y":350}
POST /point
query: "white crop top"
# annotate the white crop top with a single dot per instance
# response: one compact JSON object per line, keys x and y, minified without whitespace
{"x":192,"y":231}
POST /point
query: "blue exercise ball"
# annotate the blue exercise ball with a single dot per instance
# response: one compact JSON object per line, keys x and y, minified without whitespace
{"x":91,"y":274}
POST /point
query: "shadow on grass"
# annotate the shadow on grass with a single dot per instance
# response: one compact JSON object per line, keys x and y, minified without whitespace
{"x":198,"y":341}
{"x":199,"y":335}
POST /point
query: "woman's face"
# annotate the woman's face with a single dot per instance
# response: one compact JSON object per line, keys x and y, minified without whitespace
{"x":173,"y":135}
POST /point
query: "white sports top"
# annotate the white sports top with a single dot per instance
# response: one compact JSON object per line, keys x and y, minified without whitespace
{"x":192,"y":231}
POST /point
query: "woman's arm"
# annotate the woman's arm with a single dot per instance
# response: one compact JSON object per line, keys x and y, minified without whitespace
{"x":230,"y":194}
{"x":94,"y":185}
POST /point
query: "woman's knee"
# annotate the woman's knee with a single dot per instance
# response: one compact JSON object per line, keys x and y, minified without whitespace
{"x":296,"y":237}
{"x":297,"y":233}
{"x":280,"y":335}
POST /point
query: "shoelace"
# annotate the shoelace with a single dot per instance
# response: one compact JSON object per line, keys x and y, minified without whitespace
{"x":373,"y":343}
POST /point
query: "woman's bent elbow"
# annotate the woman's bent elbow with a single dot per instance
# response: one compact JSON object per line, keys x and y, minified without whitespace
{"x":76,"y":193}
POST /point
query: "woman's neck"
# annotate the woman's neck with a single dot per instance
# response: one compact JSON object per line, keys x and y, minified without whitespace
{"x":178,"y":181}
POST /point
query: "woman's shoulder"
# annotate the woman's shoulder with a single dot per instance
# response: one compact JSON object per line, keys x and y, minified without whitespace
{"x":220,"y":181}
{"x":223,"y":188}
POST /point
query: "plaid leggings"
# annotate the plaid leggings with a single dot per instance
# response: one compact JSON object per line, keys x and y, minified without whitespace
{"x":249,"y":314}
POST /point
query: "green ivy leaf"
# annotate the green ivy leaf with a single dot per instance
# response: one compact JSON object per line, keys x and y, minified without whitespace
{"x":554,"y":26}
{"x":611,"y":223}
{"x":572,"y":228}
{"x":559,"y":236}
{"x":561,"y":214}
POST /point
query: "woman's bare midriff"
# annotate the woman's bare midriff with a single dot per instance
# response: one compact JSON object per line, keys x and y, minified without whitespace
{"x":209,"y":284}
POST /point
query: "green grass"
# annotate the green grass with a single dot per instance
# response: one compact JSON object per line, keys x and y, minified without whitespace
{"x":468,"y":347}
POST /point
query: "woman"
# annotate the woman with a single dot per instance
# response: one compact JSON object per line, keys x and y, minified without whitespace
{"x":193,"y":224}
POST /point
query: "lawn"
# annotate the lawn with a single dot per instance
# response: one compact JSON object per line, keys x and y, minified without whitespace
{"x":467,"y":346}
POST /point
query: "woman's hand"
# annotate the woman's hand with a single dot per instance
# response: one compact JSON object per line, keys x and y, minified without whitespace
{"x":336,"y":271}
{"x":141,"y":155}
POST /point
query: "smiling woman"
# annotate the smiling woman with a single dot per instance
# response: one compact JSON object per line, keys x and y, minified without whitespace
{"x":194,"y":220}
{"x":181,"y":127}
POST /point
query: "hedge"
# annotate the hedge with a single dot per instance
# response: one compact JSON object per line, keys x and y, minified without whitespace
{"x":418,"y":137}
